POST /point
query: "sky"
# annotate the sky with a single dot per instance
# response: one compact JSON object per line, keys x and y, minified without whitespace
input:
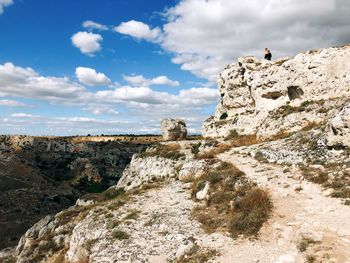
{"x":119,"y":67}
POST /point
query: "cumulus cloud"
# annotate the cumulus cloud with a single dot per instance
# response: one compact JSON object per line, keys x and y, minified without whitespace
{"x":3,"y":4}
{"x":139,"y":30}
{"x":204,"y":36}
{"x":87,"y":42}
{"x":26,"y":83}
{"x":90,"y":77}
{"x":41,"y":125}
{"x":101,"y":109}
{"x":88,"y":24}
{"x":24,"y":115}
{"x":144,"y":97}
{"x":139,"y":80}
{"x":142,"y":105}
{"x":12,"y":103}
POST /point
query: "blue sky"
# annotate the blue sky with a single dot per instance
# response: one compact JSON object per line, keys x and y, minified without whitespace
{"x":88,"y":66}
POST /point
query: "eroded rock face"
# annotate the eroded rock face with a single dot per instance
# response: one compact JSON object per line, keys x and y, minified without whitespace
{"x":338,"y":128}
{"x":194,"y":169}
{"x":147,"y":169}
{"x":286,"y":95}
{"x":173,"y":129}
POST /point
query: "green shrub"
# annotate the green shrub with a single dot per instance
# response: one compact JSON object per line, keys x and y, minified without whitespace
{"x":120,"y":234}
{"x":113,"y":193}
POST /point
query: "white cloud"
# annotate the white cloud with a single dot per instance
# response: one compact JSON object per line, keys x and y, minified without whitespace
{"x":199,"y":96}
{"x":204,"y":36}
{"x":3,"y":4}
{"x":145,"y":97}
{"x":139,"y":30}
{"x":101,"y":109}
{"x":139,"y":80}
{"x":90,"y":77}
{"x":12,"y":103}
{"x":24,"y":115}
{"x":143,"y":107}
{"x":88,"y":24}
{"x":87,"y":42}
{"x":26,"y":83}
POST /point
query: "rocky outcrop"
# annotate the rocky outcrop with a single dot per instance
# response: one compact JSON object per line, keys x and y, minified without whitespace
{"x":144,"y":170}
{"x":338,"y":128}
{"x":173,"y":129}
{"x":194,"y":169}
{"x":165,"y":160}
{"x":286,"y":95}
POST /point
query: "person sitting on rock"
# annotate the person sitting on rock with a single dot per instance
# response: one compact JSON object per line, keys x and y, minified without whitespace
{"x":268,"y":54}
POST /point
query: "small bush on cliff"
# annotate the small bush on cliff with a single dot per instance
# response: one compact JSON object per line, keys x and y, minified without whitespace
{"x":198,"y":255}
{"x":120,"y":234}
{"x":112,"y":193}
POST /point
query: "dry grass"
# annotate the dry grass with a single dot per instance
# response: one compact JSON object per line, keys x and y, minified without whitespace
{"x":132,"y":215}
{"x":310,"y":259}
{"x":220,"y":148}
{"x":304,"y":243}
{"x":169,"y":151}
{"x":235,"y":204}
{"x":340,"y":184}
{"x":198,"y":255}
{"x":9,"y":259}
{"x":236,"y":140}
{"x":120,"y":234}
{"x":251,"y":212}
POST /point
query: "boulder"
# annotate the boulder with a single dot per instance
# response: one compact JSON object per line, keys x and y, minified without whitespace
{"x":338,"y":128}
{"x":173,"y":129}
{"x":203,"y":194}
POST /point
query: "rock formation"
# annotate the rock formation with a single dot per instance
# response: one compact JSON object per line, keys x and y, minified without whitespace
{"x":173,"y":129}
{"x":338,"y":128}
{"x":283,"y":96}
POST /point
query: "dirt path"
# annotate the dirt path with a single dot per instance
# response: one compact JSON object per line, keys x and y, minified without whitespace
{"x":301,"y":209}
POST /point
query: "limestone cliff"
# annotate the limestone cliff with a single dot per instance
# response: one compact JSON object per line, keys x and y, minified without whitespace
{"x":286,"y":95}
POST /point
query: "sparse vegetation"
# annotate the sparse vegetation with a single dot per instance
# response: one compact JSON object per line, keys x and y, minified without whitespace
{"x":235,"y":204}
{"x":132,"y":215}
{"x":112,"y":224}
{"x":195,"y":148}
{"x":154,"y":218}
{"x":310,"y":259}
{"x":298,"y":189}
{"x":304,"y":243}
{"x":120,"y":234}
{"x":211,"y":154}
{"x":198,"y":255}
{"x":338,"y":183}
{"x":260,"y":157}
{"x":169,"y":151}
{"x":251,"y":212}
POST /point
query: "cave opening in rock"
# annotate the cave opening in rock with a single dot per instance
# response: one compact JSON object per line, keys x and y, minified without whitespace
{"x":294,"y":92}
